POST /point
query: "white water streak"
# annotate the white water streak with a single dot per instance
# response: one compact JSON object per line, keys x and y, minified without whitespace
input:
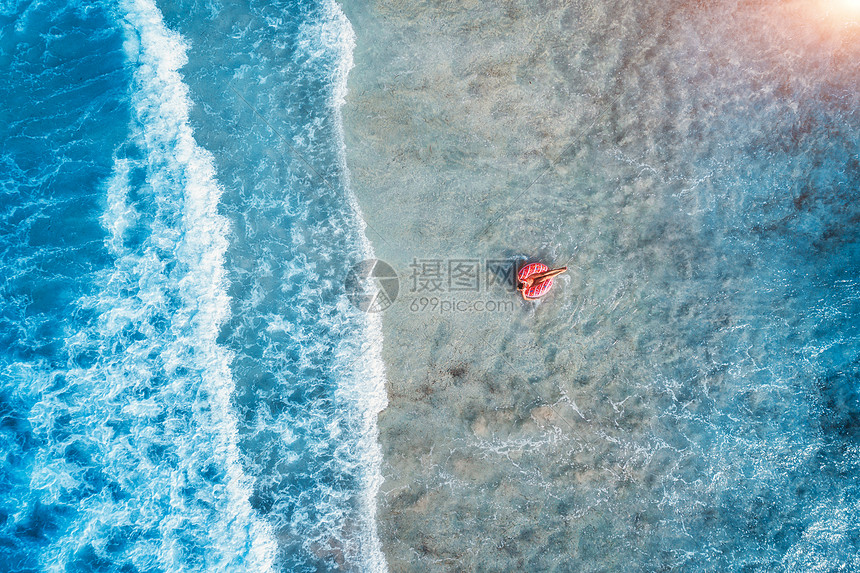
{"x":367,"y":388}
{"x":161,"y":106}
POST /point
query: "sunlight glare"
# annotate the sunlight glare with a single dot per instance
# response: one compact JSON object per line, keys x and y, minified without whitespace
{"x":845,"y":9}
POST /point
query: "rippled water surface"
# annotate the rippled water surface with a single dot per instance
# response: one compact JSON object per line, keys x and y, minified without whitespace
{"x":184,"y":385}
{"x":686,"y":396}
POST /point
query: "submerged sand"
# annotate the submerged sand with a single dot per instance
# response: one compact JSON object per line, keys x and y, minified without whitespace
{"x":572,"y":434}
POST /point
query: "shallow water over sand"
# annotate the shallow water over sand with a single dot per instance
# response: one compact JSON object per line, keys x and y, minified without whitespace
{"x":687,"y":395}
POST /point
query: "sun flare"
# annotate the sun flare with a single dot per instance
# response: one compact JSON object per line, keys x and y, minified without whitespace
{"x":831,"y":18}
{"x":846,"y":10}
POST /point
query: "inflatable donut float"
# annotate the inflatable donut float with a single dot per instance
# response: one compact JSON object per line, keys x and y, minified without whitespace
{"x":538,"y":290}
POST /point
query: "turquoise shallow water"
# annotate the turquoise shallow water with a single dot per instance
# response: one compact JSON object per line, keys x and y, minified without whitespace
{"x":686,"y":397}
{"x":184,"y":385}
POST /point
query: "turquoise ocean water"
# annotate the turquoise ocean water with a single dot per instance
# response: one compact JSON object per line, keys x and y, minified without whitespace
{"x":183,"y":385}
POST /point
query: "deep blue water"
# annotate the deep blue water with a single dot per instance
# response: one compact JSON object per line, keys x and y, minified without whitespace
{"x":172,"y":397}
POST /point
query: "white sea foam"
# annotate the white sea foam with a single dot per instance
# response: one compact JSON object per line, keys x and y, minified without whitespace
{"x":169,"y":388}
{"x":161,"y":102}
{"x":363,"y":383}
{"x":149,"y":387}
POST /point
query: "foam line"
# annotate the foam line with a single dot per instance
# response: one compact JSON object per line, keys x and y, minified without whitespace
{"x":367,"y":386}
{"x":186,"y":225}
